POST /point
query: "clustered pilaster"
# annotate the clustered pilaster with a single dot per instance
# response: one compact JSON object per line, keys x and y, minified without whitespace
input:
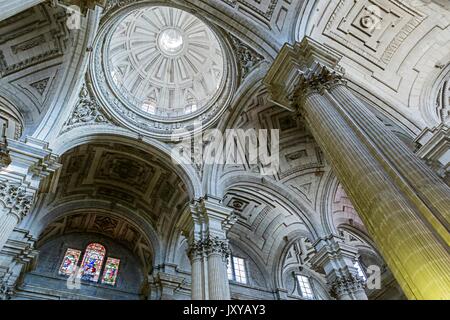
{"x":209,"y":249}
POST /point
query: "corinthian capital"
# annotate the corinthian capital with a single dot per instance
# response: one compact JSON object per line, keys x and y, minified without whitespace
{"x":15,"y":198}
{"x":316,"y":79}
{"x":302,"y":65}
{"x":208,"y":246}
{"x":346,"y":285}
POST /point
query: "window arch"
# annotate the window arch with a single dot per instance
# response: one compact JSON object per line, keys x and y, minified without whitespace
{"x":92,"y":262}
{"x":91,"y":265}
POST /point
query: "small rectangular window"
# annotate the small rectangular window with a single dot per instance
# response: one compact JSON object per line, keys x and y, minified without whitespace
{"x":305,"y":287}
{"x":239,"y":270}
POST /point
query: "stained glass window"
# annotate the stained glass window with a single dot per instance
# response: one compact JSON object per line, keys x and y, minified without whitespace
{"x":92,"y":262}
{"x":111,"y":270}
{"x":70,"y":261}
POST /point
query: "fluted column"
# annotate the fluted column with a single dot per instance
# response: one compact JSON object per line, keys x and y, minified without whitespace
{"x":337,"y":260}
{"x":197,"y":292}
{"x":208,"y":250}
{"x":218,"y":253}
{"x":407,"y":222}
{"x":420,"y":183}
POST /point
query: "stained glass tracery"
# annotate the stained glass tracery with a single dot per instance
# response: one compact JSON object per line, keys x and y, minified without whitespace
{"x":111,"y":270}
{"x":92,"y":262}
{"x":70,"y":261}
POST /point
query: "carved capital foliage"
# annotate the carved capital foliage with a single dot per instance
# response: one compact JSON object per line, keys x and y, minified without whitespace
{"x":315,"y":80}
{"x":15,"y":198}
{"x":348,"y":284}
{"x":6,"y":291}
{"x":208,"y":246}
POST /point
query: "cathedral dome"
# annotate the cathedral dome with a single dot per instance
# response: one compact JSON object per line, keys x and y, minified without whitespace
{"x":161,"y":69}
{"x":165,"y":61}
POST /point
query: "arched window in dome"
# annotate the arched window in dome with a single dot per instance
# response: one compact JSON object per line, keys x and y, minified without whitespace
{"x":191,"y":102}
{"x":92,"y":262}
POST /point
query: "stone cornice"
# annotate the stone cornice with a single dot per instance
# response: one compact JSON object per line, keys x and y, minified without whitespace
{"x":297,"y":65}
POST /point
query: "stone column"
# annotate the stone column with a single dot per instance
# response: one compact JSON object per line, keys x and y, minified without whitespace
{"x":208,"y":250}
{"x":406,"y":222}
{"x":420,"y":184}
{"x":337,"y":259}
{"x":29,"y":163}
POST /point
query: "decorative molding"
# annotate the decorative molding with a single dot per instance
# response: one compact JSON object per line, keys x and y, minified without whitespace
{"x":346,"y":285}
{"x":247,"y":57}
{"x":15,"y":198}
{"x":6,"y":291}
{"x":268,"y":13}
{"x":86,"y":112}
{"x":208,"y":246}
{"x":40,"y":85}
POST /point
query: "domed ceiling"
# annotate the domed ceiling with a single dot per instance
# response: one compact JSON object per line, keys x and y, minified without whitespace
{"x":161,"y":71}
{"x":165,"y":61}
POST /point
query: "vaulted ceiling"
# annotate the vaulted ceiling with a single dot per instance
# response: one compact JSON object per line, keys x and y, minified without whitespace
{"x":112,"y":179}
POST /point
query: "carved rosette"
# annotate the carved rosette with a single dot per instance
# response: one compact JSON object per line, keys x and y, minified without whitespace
{"x":15,"y":198}
{"x":208,"y":246}
{"x":346,"y":285}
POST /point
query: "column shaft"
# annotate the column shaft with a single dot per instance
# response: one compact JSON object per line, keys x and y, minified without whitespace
{"x":8,"y":222}
{"x":425,"y":189}
{"x":196,"y":279}
{"x":413,"y":252}
{"x":217,"y":278}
